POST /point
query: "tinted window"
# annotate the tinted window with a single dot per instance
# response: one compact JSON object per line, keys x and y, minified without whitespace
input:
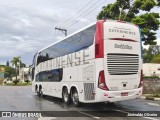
{"x":72,"y":44}
{"x":55,"y":75}
{"x":34,"y":59}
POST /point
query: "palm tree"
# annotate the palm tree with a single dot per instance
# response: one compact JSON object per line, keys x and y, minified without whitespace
{"x":15,"y":62}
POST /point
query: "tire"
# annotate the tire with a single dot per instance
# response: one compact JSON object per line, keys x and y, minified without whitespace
{"x":65,"y":96}
{"x":75,"y":98}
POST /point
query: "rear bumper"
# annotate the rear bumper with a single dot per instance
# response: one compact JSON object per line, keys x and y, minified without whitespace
{"x":114,"y":96}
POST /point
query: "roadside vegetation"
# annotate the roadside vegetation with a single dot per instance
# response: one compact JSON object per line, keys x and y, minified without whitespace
{"x":150,"y":96}
{"x":152,"y":54}
{"x":11,"y":73}
{"x":151,"y":77}
{"x":15,"y":61}
{"x":18,"y":84}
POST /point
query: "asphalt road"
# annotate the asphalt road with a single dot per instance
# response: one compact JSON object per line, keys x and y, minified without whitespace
{"x":22,"y":99}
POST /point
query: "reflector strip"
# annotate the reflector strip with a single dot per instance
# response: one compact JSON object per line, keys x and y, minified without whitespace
{"x":123,"y":39}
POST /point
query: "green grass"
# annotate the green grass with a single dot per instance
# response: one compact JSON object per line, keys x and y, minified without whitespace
{"x":151,"y":77}
{"x":18,"y":84}
{"x":153,"y":96}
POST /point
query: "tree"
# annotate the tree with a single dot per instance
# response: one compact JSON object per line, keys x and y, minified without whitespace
{"x":154,"y":49}
{"x":147,"y":56}
{"x":152,"y":54}
{"x":9,"y":72}
{"x":15,"y":62}
{"x":156,"y":59}
{"x":137,"y":12}
{"x":22,"y":65}
{"x":7,"y":63}
{"x":158,"y":2}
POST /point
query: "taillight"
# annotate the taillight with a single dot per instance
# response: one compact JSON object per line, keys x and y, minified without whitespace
{"x":141,"y":80}
{"x":101,"y":81}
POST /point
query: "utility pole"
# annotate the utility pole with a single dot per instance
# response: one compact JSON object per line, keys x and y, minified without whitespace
{"x":62,"y":30}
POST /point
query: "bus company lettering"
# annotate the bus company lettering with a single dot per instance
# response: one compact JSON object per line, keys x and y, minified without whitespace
{"x":124,"y":31}
{"x":74,"y":59}
{"x":123,"y":46}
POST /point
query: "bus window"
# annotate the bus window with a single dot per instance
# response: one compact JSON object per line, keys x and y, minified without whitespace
{"x":32,"y":73}
{"x":57,"y":75}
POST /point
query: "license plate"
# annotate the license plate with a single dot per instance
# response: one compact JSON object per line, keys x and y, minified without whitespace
{"x":124,"y":94}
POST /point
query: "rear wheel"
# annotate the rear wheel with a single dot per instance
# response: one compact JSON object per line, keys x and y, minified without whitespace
{"x":65,"y":96}
{"x":75,"y":98}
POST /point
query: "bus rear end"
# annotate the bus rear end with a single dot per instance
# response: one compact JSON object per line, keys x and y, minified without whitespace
{"x":119,"y":49}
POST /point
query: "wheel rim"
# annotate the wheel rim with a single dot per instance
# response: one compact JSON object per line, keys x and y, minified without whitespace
{"x":75,"y":97}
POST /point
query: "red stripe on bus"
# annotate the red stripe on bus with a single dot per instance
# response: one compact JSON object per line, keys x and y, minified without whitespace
{"x":99,"y":40}
{"x":123,"y":39}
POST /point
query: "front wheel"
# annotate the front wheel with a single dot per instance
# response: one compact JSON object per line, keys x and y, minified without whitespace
{"x":65,"y":96}
{"x":75,"y":98}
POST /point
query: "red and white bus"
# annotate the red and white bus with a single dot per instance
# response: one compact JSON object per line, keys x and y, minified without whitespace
{"x":99,"y":63}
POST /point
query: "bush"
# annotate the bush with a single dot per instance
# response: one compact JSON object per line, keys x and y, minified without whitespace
{"x":27,"y":81}
{"x":15,"y":81}
{"x":18,"y":84}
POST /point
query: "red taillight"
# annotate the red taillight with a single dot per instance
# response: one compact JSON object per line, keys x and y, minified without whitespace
{"x":101,"y":81}
{"x":141,"y":80}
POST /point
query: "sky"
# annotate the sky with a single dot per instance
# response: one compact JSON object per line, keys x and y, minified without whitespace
{"x":26,"y":26}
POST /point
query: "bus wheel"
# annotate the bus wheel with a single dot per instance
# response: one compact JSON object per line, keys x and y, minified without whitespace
{"x":75,"y":98}
{"x":65,"y":96}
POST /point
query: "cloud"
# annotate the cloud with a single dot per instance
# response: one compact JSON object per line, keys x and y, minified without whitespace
{"x":26,"y":26}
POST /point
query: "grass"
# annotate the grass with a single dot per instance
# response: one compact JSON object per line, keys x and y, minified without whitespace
{"x":151,"y":77}
{"x":18,"y":84}
{"x":153,"y":96}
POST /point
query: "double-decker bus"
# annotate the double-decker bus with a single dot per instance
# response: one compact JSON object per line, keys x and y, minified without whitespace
{"x":99,"y":63}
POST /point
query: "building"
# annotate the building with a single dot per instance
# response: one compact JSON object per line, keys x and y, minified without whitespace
{"x":23,"y":74}
{"x":151,"y":69}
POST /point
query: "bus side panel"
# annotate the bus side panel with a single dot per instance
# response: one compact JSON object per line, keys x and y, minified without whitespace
{"x":86,"y":77}
{"x":99,"y":65}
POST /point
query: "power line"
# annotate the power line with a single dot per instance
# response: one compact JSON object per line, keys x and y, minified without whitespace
{"x":77,"y":12}
{"x":84,"y":12}
{"x":76,"y":20}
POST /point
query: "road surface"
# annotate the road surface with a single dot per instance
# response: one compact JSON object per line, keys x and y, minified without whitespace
{"x":21,"y":98}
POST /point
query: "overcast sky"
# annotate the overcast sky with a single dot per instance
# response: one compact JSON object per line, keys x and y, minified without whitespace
{"x":26,"y":26}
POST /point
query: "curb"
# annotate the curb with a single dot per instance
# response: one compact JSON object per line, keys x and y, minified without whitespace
{"x":150,"y":98}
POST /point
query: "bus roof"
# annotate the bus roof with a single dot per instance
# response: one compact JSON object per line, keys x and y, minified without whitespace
{"x":69,"y":35}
